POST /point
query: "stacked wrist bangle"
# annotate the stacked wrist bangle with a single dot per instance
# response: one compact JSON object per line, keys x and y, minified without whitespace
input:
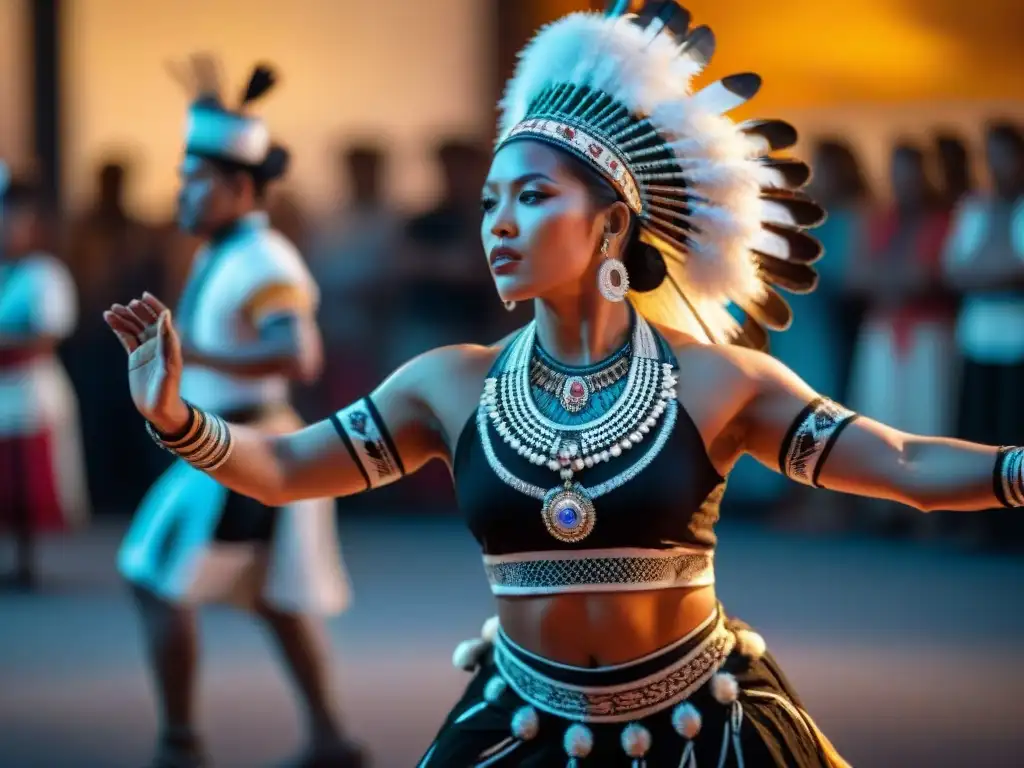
{"x":205,"y":441}
{"x":1008,"y":477}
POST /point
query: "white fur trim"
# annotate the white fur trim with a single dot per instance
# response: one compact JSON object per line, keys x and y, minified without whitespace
{"x":489,"y":630}
{"x":233,"y":137}
{"x":725,"y":688}
{"x":468,"y":653}
{"x":578,"y":740}
{"x":750,"y":644}
{"x":525,"y":723}
{"x":686,"y":720}
{"x":636,"y":740}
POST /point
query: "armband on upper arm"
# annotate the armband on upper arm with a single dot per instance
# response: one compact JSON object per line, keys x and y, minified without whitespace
{"x":364,"y":434}
{"x":1008,"y":477}
{"x":277,"y":299}
{"x":809,"y":441}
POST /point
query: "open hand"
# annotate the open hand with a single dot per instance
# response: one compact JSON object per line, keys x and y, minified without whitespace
{"x":145,"y":331}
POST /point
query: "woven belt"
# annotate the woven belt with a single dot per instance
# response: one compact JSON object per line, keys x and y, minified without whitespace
{"x":678,"y":680}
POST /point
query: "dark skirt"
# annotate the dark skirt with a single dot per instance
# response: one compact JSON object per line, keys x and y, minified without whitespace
{"x":715,"y":698}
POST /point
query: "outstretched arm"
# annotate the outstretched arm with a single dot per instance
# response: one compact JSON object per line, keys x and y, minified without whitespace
{"x":791,"y":429}
{"x":373,"y":442}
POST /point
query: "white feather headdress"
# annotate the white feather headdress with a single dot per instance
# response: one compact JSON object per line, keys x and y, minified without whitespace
{"x":214,"y":130}
{"x":726,"y":217}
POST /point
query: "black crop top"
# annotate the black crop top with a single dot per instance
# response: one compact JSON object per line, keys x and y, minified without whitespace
{"x":655,"y":529}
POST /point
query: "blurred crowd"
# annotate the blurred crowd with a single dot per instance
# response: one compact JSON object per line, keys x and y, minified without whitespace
{"x":918,"y":320}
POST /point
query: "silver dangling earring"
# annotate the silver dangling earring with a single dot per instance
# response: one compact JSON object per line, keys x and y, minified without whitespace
{"x":509,"y":305}
{"x":612,"y":278}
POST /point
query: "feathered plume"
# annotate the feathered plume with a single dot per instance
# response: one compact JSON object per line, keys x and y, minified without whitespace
{"x":723,"y":212}
{"x":201,"y":76}
{"x":263,"y":78}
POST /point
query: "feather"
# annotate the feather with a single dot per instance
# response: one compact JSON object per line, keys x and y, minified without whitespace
{"x":201,"y":76}
{"x":699,"y":46}
{"x":665,"y":15}
{"x":788,"y":275}
{"x":752,"y":335}
{"x":728,"y":93}
{"x":785,"y":173}
{"x":261,"y":81}
{"x":791,"y":209}
{"x":788,"y":244}
{"x":773,"y":135}
{"x":769,"y":310}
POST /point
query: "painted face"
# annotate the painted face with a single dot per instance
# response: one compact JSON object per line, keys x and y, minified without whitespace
{"x":539,"y":231}
{"x":205,"y":199}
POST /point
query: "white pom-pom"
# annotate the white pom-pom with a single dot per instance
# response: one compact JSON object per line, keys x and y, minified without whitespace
{"x":636,"y":740}
{"x":494,"y":689}
{"x":468,"y":653}
{"x":725,"y":688}
{"x":686,"y":720}
{"x":578,"y":740}
{"x":489,"y":630}
{"x":525,"y":723}
{"x":750,"y":644}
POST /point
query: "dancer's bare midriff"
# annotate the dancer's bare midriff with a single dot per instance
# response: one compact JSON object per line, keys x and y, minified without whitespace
{"x":602,"y":629}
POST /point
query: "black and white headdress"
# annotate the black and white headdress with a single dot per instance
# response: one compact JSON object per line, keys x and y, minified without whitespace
{"x":213,"y":129}
{"x":723,"y":214}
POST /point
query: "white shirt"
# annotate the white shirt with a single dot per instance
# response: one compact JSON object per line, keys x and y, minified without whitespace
{"x":37,"y":298}
{"x":221,"y":311}
{"x":990,"y":328}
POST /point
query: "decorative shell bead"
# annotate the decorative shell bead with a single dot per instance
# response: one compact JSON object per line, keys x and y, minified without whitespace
{"x":636,"y":740}
{"x":725,"y":688}
{"x":525,"y":723}
{"x":578,"y":740}
{"x":686,"y":720}
{"x":494,"y":689}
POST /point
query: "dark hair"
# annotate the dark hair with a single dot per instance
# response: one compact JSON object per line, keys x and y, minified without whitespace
{"x":273,"y":167}
{"x":644,"y":263}
{"x":1004,"y":130}
{"x":955,"y":166}
{"x":908,"y":150}
{"x":836,"y":157}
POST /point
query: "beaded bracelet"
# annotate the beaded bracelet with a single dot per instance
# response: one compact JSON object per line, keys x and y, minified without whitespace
{"x":205,"y":441}
{"x":1008,"y":476}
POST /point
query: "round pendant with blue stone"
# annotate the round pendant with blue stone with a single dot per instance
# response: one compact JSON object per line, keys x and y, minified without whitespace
{"x":568,"y":513}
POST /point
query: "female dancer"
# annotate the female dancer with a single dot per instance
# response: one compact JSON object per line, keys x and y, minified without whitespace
{"x":42,"y":469}
{"x":248,"y":326}
{"x":589,"y":450}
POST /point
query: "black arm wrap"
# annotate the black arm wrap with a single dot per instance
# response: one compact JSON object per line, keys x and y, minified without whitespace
{"x":809,"y":441}
{"x":367,"y":439}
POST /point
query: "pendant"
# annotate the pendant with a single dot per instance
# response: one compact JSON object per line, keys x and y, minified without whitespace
{"x":575,"y":393}
{"x":568,"y":513}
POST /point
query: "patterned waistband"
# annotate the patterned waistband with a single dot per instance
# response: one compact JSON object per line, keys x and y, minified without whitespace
{"x":599,"y":570}
{"x":621,"y":693}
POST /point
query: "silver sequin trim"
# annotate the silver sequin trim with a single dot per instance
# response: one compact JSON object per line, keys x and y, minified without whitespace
{"x":812,"y":439}
{"x":612,"y":571}
{"x":621,"y":703}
